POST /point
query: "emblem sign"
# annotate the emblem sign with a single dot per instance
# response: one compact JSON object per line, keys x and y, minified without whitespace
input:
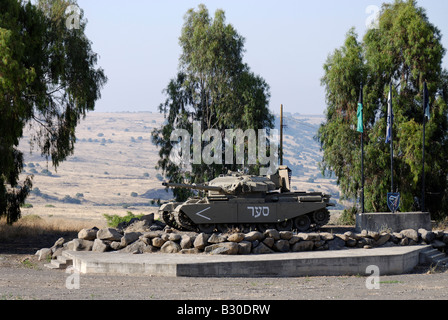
{"x":393,"y":201}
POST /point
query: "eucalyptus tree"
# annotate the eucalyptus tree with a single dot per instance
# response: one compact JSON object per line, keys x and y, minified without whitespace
{"x":48,"y":81}
{"x":214,"y":87}
{"x":404,"y":51}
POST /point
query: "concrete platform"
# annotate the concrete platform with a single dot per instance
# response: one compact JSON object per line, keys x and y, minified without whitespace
{"x":393,"y":260}
{"x":394,"y":222}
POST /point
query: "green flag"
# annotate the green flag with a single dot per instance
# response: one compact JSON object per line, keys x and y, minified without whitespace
{"x":360,"y":114}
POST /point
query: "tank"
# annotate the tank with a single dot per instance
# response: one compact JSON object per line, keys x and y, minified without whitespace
{"x":247,"y":202}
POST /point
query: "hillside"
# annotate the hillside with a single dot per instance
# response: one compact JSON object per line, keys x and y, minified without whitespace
{"x":113,"y":168}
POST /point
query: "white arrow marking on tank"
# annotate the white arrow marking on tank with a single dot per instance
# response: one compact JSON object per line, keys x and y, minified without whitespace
{"x":199,"y":214}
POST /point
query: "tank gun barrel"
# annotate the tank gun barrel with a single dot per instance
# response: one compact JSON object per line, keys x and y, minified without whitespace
{"x":194,"y":187}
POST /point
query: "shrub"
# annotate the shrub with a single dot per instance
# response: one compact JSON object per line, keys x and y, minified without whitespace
{"x":114,"y":220}
{"x":348,"y":216}
{"x":68,"y":199}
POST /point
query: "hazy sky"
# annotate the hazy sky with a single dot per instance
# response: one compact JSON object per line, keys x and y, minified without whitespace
{"x":287,"y":43}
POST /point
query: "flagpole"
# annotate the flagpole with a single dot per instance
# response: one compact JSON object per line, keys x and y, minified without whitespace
{"x":391,"y":144}
{"x":361,"y":130}
{"x":362,"y":172}
{"x":425,"y":102}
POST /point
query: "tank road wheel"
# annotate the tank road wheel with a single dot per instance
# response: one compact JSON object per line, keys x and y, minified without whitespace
{"x":285,"y":225}
{"x":184,"y":223}
{"x":262,"y":227}
{"x":246,"y":228}
{"x":207,"y":228}
{"x":224,"y":227}
{"x":321,"y":217}
{"x":302,"y":223}
{"x":169,"y":219}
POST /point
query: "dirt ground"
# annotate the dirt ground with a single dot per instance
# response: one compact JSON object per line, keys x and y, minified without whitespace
{"x":23,"y":277}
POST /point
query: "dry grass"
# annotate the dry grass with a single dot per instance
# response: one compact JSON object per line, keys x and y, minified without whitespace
{"x":34,"y":225}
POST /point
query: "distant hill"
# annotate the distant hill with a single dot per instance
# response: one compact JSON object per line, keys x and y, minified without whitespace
{"x":114,"y":162}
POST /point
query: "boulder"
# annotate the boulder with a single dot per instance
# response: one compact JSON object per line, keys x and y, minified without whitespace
{"x":236,"y":237}
{"x":261,"y":249}
{"x":253,"y":236}
{"x":374,"y":235}
{"x":174,"y":237}
{"x":153,"y":234}
{"x":384,"y":237}
{"x":100,"y":246}
{"x":110,"y":234}
{"x":217,"y":238}
{"x":326,"y":236}
{"x":149,"y":218}
{"x":294,"y":239}
{"x":445,"y":238}
{"x":57,"y":252}
{"x":230,"y":248}
{"x":269,"y":242}
{"x":129,"y":237}
{"x":158,"y":242}
{"x":411,"y":234}
{"x":138,"y":247}
{"x":44,"y":254}
{"x":344,"y":237}
{"x":165,"y":236}
{"x":185,"y":242}
{"x":201,"y":241}
{"x":439,"y":234}
{"x":116,"y":245}
{"x":286,"y":235}
{"x":336,"y":244}
{"x":351,"y":243}
{"x":170,"y":247}
{"x":58,"y":244}
{"x":437,"y":244}
{"x":88,"y":234}
{"x":313,"y":236}
{"x":352,"y":235}
{"x":307,"y":245}
{"x":319,"y":244}
{"x":272,"y":233}
{"x":244,"y":247}
{"x":282,"y":246}
{"x":79,"y":245}
{"x":427,"y":236}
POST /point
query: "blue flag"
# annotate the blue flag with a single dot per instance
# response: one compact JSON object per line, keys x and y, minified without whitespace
{"x":390,"y":118}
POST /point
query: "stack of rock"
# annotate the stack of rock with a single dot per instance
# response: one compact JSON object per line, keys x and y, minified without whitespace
{"x":143,"y":237}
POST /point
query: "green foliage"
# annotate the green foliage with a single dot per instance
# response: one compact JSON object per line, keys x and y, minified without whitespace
{"x":114,"y":220}
{"x":348,"y":217}
{"x":406,"y":50}
{"x":213,"y":86}
{"x":48,"y":80}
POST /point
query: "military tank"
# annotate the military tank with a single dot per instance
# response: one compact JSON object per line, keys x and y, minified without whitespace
{"x":247,"y":202}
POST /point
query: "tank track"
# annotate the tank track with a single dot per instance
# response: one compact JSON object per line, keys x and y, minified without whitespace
{"x":309,"y":222}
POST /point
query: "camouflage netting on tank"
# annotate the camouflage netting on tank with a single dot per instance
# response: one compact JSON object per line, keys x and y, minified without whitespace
{"x":236,"y":183}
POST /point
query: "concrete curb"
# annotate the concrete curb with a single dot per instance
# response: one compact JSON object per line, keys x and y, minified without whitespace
{"x":390,"y":261}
